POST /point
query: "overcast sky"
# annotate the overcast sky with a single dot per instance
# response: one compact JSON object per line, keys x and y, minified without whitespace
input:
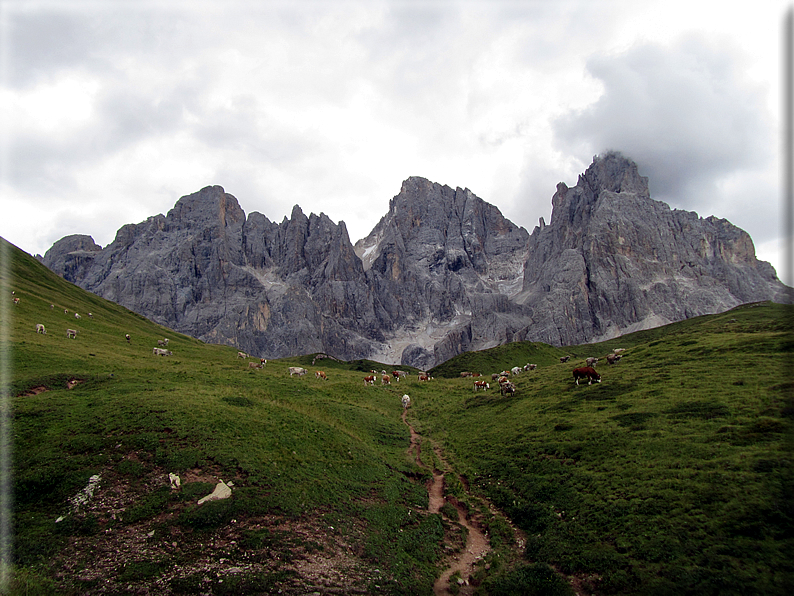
{"x":111,"y":111}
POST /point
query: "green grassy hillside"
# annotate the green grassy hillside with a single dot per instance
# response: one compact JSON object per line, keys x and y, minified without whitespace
{"x":671,"y":476}
{"x":300,"y":450}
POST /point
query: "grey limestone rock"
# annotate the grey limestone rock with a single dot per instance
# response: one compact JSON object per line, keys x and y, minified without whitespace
{"x":441,"y":273}
{"x":613,"y":260}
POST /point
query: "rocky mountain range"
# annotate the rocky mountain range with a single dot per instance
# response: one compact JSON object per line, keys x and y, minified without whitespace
{"x":442,"y":272}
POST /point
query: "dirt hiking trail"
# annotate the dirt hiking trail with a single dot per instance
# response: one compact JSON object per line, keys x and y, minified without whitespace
{"x":477,"y":545}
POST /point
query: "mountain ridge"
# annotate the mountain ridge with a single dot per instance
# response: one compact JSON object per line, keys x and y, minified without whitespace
{"x":442,"y":272}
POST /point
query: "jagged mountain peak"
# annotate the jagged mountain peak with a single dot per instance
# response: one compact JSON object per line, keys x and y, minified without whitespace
{"x":211,"y":205}
{"x":442,"y":272}
{"x":614,"y":172}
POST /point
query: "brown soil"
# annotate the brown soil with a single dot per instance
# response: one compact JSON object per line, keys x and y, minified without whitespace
{"x":477,"y":545}
{"x":34,"y":391}
{"x":303,"y":555}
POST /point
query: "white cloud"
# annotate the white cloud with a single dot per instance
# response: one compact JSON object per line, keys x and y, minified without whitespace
{"x":330,"y":105}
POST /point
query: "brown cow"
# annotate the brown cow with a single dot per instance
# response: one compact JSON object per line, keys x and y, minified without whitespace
{"x":369,"y":380}
{"x":587,"y":372}
{"x":320,"y":375}
{"x":481,"y":385}
{"x":506,"y":388}
{"x":385,"y":380}
{"x":423,"y":377}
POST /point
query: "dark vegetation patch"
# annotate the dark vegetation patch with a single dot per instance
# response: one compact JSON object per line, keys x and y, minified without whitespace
{"x":635,"y":420}
{"x":703,"y":410}
{"x":239,"y":401}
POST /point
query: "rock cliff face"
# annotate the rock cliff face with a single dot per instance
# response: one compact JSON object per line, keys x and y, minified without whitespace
{"x":441,"y":273}
{"x":613,"y":261}
{"x":444,"y":264}
{"x":206,"y":270}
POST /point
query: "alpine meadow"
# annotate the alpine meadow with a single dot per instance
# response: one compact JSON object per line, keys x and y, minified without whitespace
{"x":670,"y":476}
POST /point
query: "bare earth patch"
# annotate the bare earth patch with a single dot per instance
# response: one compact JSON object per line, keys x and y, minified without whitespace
{"x":158,"y":556}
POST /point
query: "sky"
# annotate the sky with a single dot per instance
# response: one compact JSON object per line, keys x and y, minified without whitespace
{"x":111,"y":111}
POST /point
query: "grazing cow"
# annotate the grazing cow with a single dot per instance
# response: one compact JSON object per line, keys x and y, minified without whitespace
{"x":52,"y":306}
{"x":406,"y":401}
{"x":515,"y":370}
{"x":90,"y":316}
{"x":297,"y":370}
{"x":78,"y":317}
{"x":481,"y":385}
{"x":400,"y":373}
{"x":530,"y":367}
{"x":262,"y":362}
{"x":466,"y":374}
{"x":586,"y":372}
{"x":16,"y":300}
{"x":239,"y":354}
{"x":591,"y":361}
{"x":613,"y":358}
{"x":127,"y":337}
{"x":396,"y":375}
{"x":40,"y":329}
{"x":495,"y":376}
{"x":369,"y":380}
{"x":320,"y":375}
{"x":476,"y":374}
{"x":254,"y":365}
{"x":506,"y":388}
{"x":65,"y":311}
{"x":162,"y":342}
{"x":424,"y":377}
{"x":161,"y":352}
{"x":71,"y":333}
{"x":385,"y":380}
{"x":565,"y":358}
{"x":618,"y":350}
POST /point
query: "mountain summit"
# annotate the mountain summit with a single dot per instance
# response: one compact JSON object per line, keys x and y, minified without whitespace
{"x":442,"y":272}
{"x":613,"y":261}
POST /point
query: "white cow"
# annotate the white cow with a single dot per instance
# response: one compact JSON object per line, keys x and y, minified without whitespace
{"x":406,"y":401}
{"x":515,"y":370}
{"x":297,"y":370}
{"x":40,"y":329}
{"x":161,"y":352}
{"x":71,"y":333}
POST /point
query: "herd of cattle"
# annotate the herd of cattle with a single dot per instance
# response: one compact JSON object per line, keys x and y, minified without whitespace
{"x":506,"y":386}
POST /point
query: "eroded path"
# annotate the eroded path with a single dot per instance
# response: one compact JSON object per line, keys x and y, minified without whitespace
{"x":477,"y":545}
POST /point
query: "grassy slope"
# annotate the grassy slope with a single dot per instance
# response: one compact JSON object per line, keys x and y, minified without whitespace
{"x":292,"y":445}
{"x":671,"y":476}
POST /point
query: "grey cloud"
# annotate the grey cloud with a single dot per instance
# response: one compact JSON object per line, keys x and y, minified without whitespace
{"x":684,"y":113}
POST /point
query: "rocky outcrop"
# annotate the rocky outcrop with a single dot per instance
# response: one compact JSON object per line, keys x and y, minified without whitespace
{"x":442,"y":272}
{"x":206,"y":270}
{"x":442,"y":261}
{"x":613,"y":260}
